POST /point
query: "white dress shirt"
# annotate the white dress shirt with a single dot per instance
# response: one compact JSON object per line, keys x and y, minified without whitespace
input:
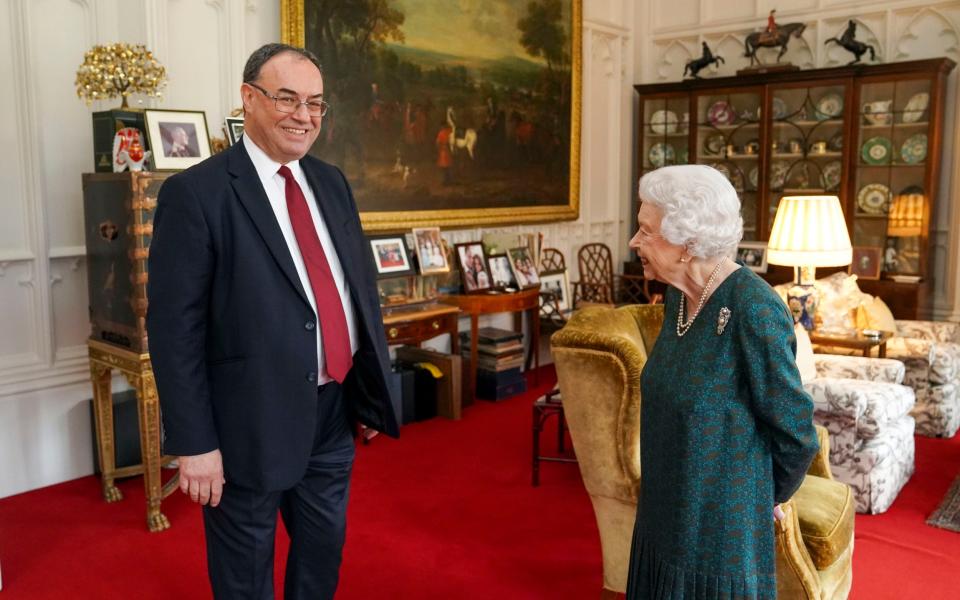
{"x":275,"y":187}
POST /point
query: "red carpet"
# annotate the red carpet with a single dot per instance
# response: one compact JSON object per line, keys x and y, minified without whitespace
{"x":447,"y":512}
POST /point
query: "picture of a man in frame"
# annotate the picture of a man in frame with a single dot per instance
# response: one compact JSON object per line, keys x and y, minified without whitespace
{"x":179,"y":140}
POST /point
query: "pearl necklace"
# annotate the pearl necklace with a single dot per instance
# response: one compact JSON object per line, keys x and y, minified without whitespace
{"x":682,"y":328}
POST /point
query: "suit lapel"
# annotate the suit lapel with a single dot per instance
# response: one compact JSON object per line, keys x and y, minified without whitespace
{"x":249,"y":190}
{"x":330,"y":205}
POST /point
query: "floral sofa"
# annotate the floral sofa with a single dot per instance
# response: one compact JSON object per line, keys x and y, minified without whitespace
{"x":930,"y":350}
{"x":863,"y":405}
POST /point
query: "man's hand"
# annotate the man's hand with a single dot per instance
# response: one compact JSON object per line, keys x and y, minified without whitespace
{"x":201,"y":477}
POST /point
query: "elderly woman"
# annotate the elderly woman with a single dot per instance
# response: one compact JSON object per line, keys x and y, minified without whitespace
{"x":726,"y":429}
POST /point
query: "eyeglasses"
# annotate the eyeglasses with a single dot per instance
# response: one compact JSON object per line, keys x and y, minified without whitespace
{"x":290,"y":104}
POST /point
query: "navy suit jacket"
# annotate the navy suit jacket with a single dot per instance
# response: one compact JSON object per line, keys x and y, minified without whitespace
{"x":232,"y":334}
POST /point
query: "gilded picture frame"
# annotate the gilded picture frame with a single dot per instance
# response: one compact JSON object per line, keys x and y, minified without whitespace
{"x":511,"y":159}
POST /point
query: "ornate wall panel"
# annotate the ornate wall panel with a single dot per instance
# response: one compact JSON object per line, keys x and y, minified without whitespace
{"x":18,"y":319}
{"x":12,"y":209}
{"x":64,"y":134}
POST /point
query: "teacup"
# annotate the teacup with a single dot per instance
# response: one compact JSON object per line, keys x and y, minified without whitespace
{"x":878,"y":112}
{"x":818,"y":148}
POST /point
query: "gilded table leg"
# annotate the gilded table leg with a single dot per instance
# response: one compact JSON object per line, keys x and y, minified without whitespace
{"x":103,"y":420}
{"x":149,"y":412}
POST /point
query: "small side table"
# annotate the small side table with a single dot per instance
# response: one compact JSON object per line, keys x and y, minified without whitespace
{"x":854,"y":340}
{"x":543,"y":408}
{"x":138,"y":370}
{"x":527,"y":300}
{"x":417,"y":324}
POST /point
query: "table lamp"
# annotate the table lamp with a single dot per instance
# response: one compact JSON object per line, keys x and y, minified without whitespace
{"x":808,"y":232}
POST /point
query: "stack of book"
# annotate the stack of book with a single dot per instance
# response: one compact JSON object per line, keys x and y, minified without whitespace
{"x":499,"y":362}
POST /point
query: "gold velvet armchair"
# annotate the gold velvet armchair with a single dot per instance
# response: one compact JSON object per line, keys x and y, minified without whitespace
{"x":599,"y":356}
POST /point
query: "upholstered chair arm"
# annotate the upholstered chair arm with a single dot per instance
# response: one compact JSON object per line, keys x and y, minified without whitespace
{"x":820,"y":467}
{"x":864,"y":406}
{"x":796,"y":574}
{"x":886,"y":370}
{"x":934,"y":331}
{"x":926,"y":361}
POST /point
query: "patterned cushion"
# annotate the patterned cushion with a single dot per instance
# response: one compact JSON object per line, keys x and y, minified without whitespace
{"x":937,"y":411}
{"x":935,"y":331}
{"x":839,"y":298}
{"x":873,"y":313}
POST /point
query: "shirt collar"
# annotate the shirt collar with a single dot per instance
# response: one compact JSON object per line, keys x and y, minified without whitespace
{"x":267,"y":167}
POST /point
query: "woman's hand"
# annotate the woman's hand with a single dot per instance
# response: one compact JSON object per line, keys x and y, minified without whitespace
{"x":778,"y":514}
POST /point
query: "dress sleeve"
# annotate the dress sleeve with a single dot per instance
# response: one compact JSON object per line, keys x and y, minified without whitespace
{"x":781,"y":406}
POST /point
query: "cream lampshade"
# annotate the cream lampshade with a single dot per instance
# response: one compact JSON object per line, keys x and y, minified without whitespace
{"x":808,"y":232}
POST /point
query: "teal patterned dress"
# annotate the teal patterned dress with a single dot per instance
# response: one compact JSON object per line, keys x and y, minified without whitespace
{"x":726,"y":432}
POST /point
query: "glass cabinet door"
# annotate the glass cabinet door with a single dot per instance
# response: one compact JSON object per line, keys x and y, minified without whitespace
{"x":891,"y":206}
{"x":728,"y":139}
{"x":806,"y":142}
{"x":665,"y":131}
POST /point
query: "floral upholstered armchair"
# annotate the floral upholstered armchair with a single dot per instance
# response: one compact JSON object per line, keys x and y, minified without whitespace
{"x":863,"y":405}
{"x":930,"y":350}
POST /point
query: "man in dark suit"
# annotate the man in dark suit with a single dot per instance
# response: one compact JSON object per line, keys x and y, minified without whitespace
{"x":266,"y":337}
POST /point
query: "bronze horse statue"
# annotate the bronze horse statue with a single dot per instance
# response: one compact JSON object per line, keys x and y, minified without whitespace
{"x":851,"y":45}
{"x":698,"y":64}
{"x":780,"y":37}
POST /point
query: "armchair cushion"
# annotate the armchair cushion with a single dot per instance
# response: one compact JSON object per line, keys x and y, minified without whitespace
{"x":826,"y":510}
{"x":867,"y":406}
{"x":805,"y":358}
{"x":873,"y":313}
{"x":926,"y":362}
{"x":886,"y":370}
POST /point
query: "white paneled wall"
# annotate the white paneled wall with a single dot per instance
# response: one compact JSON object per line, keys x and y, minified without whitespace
{"x":672,"y":30}
{"x":46,"y":143}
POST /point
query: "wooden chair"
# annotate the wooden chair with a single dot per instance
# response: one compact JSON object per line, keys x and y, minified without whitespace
{"x":552,"y":317}
{"x":599,"y":286}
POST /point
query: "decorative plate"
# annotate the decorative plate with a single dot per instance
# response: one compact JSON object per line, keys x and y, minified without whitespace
{"x":914,"y":149}
{"x":779,"y":108}
{"x":831,"y":175}
{"x":830,"y":106}
{"x":874,"y":199}
{"x":778,"y":173}
{"x":661,"y":154}
{"x":714,"y":144}
{"x":721,"y":113}
{"x":915,"y":107}
{"x":877,"y":151}
{"x":836,"y":142}
{"x":664,"y":121}
{"x":754,"y":177}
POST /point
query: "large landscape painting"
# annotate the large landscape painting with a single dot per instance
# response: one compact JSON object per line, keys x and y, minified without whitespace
{"x":449,"y":112}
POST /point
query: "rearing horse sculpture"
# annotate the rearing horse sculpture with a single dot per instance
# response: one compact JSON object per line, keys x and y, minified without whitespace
{"x":762,"y":39}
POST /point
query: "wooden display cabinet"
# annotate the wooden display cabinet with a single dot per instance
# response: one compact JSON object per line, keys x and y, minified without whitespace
{"x":871,"y":134}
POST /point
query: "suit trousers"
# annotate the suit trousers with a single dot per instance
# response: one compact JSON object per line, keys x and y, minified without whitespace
{"x":240,"y":531}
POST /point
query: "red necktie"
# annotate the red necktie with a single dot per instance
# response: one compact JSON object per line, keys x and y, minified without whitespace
{"x":333,"y":323}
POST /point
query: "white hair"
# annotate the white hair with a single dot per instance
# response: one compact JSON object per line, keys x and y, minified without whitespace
{"x":701,"y":210}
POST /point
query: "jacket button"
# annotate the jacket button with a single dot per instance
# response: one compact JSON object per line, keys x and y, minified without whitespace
{"x":311,"y":377}
{"x":309,"y":325}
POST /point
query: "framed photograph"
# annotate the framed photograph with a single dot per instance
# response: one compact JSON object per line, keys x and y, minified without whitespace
{"x":452,"y":113}
{"x":390,"y":255}
{"x":430,"y":250}
{"x":753,"y":255}
{"x":473,"y":267}
{"x":524,"y":269}
{"x":234,"y":128}
{"x":867,"y":262}
{"x":178,"y":138}
{"x":500,"y":272}
{"x":557,"y":283}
